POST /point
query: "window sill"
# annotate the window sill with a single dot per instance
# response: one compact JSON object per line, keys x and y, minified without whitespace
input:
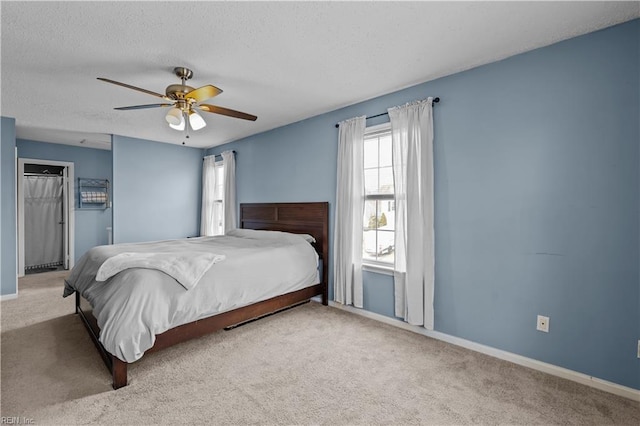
{"x":377,"y":268}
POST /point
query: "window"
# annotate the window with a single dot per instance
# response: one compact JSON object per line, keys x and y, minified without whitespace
{"x":218,"y":195}
{"x":218,"y":200}
{"x":379,"y":200}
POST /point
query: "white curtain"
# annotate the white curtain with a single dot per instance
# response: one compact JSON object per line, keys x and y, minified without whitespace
{"x":349,"y":213}
{"x":412,"y":141}
{"x":229,"y":197}
{"x":209,"y":215}
{"x":43,"y":218}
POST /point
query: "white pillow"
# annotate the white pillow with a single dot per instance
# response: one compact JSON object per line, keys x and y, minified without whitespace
{"x":274,"y":235}
{"x":308,"y":238}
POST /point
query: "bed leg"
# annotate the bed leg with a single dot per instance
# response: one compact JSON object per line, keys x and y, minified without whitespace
{"x":119,"y":372}
{"x":325,"y":295}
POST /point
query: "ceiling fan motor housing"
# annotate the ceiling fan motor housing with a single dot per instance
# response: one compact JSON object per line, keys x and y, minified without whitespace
{"x":178,"y":91}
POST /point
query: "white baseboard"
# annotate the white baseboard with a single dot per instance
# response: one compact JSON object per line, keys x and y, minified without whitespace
{"x":8,"y":297}
{"x":554,"y":370}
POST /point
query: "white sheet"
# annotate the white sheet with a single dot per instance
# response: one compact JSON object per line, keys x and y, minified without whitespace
{"x":137,"y":304}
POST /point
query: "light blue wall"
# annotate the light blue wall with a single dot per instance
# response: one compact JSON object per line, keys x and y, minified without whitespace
{"x":156,"y":190}
{"x":8,"y":271}
{"x":538,"y":205}
{"x":90,"y":225}
{"x":537,"y":198}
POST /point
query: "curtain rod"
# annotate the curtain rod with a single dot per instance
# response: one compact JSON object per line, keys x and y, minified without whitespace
{"x":435,"y":101}
{"x":216,"y":155}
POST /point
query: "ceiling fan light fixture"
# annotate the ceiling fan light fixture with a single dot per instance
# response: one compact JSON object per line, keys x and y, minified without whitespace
{"x":196,"y":121}
{"x":174,"y":117}
{"x":179,"y":126}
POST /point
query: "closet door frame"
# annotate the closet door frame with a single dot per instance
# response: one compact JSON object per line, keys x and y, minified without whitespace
{"x":67,"y":201}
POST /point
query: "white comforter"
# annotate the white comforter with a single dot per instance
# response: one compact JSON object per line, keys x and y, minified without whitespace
{"x":136,"y":304}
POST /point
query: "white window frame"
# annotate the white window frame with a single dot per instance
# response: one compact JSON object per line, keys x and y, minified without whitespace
{"x":370,"y":264}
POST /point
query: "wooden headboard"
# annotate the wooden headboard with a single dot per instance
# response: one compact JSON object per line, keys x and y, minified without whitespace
{"x":297,"y":218}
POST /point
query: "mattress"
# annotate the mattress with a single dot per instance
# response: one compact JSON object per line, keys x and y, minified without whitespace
{"x":136,"y":304}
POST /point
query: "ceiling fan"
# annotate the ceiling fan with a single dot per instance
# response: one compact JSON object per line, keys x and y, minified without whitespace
{"x":185,"y":101}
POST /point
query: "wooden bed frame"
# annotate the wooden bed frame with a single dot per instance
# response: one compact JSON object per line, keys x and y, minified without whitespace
{"x":299,"y":218}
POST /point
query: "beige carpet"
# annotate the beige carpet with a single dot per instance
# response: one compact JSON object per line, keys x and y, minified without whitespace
{"x":308,"y":365}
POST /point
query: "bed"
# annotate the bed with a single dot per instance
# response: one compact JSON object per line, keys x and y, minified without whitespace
{"x":295,"y":221}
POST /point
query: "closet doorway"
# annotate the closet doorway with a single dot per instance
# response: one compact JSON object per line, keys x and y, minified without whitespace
{"x":45,"y":215}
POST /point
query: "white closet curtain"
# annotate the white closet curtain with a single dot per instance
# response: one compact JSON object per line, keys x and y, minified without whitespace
{"x":209,"y":215}
{"x":43,"y":218}
{"x":229,"y":194}
{"x":349,"y":213}
{"x":412,"y":141}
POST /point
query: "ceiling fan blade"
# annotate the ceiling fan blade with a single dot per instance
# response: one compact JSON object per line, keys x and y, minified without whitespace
{"x":203,"y":93}
{"x":143,"y":106}
{"x":128,"y":86}
{"x":226,"y":111}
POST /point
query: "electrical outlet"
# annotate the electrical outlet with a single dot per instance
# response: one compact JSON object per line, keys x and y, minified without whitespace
{"x":543,"y":324}
{"x":639,"y":348}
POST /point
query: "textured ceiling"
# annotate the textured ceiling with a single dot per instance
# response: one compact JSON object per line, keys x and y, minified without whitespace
{"x":282,"y":61}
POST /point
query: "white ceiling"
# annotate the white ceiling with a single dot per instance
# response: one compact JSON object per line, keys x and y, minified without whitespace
{"x":281,"y":61}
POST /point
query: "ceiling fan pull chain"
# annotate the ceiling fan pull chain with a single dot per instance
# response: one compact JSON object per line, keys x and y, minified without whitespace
{"x":186,"y":126}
